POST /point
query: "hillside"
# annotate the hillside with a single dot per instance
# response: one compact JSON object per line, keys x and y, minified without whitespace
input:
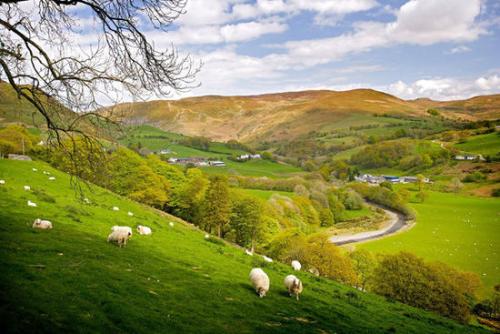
{"x":69,"y":278}
{"x":286,"y":116}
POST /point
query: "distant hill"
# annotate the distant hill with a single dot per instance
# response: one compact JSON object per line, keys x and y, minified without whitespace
{"x":286,"y":116}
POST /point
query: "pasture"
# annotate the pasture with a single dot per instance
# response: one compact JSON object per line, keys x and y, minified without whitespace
{"x":487,"y":144}
{"x":68,"y":278}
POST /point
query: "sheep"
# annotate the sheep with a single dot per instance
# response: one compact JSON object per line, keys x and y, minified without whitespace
{"x":247,"y":252}
{"x":130,"y":214}
{"x":314,"y":271}
{"x":115,"y":208}
{"x":267,"y":259}
{"x":32,"y":204}
{"x":34,"y":169}
{"x":27,"y":188}
{"x":2,"y":181}
{"x":143,"y":230}
{"x":117,"y":228}
{"x":46,"y":173}
{"x":120,"y":237}
{"x":171,"y":224}
{"x":296,"y":265}
{"x":52,"y":178}
{"x":207,"y":236}
{"x":86,"y":200}
{"x":294,"y":285}
{"x":260,"y":281}
{"x":42,"y":224}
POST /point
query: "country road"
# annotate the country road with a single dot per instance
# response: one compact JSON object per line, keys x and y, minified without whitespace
{"x":397,"y":222}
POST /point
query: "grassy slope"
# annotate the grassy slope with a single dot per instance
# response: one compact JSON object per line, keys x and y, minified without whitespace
{"x":69,"y":279}
{"x":458,"y":230}
{"x":488,"y":144}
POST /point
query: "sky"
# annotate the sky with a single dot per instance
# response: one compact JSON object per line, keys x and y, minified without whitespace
{"x":441,"y":49}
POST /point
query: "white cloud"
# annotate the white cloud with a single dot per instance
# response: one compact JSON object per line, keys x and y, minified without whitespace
{"x":250,"y":30}
{"x":491,"y":83}
{"x":459,"y":49}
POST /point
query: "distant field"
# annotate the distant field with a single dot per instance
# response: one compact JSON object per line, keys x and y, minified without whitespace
{"x":266,"y":194}
{"x":256,"y":167}
{"x":488,"y":144}
{"x":458,"y":230}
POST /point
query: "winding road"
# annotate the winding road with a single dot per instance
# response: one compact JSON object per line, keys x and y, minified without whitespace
{"x":397,"y":222}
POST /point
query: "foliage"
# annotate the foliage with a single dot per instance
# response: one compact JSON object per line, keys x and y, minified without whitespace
{"x":476,"y":176}
{"x":16,"y":139}
{"x":216,"y":206}
{"x":247,"y":223}
{"x":364,"y":264}
{"x":408,"y":279}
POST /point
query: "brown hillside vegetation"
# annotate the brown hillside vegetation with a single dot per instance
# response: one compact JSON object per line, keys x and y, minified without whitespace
{"x":285,"y":116}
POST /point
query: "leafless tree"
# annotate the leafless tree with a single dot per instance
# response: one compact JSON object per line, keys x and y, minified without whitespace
{"x":43,"y":57}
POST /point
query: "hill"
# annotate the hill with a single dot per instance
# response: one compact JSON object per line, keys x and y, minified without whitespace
{"x":67,"y":279}
{"x":287,"y":116}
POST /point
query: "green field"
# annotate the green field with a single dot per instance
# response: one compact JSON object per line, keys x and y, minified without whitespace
{"x":488,"y":144}
{"x":256,"y":167}
{"x":266,"y":194}
{"x":458,"y":230}
{"x":69,"y":279}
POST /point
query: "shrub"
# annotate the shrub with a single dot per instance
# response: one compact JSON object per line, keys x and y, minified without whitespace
{"x":474,"y":177}
{"x":495,"y":192}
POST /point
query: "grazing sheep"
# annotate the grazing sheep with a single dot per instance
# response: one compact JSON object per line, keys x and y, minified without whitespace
{"x":314,"y":271}
{"x":247,"y":252}
{"x":27,"y":188}
{"x":294,"y":285}
{"x":117,"y":228}
{"x":130,"y":214}
{"x":143,"y":230}
{"x":267,"y":259}
{"x":46,"y":173}
{"x":207,"y":236}
{"x":171,"y":224}
{"x":52,"y":178}
{"x":296,"y":265}
{"x":32,"y":204}
{"x":2,"y":181}
{"x":34,"y":169}
{"x":42,"y":224}
{"x":86,"y":200}
{"x":115,"y":208}
{"x":260,"y":281}
{"x":120,"y":237}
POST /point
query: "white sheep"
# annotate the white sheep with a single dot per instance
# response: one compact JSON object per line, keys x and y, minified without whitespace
{"x":2,"y":181}
{"x":296,"y":265}
{"x":130,"y":214}
{"x":267,"y":259}
{"x":34,"y":169}
{"x":32,"y":204}
{"x":260,"y":281}
{"x":120,"y":237}
{"x":117,"y":228}
{"x":248,"y":252}
{"x":115,"y":208}
{"x":294,"y":285}
{"x":143,"y":230}
{"x":86,"y":200}
{"x":52,"y":178}
{"x":46,"y":173}
{"x":42,"y":224}
{"x":314,"y":271}
{"x":27,"y":188}
{"x":171,"y":224}
{"x":207,"y":236}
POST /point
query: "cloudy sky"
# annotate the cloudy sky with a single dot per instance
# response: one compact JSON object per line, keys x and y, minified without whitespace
{"x":443,"y":49}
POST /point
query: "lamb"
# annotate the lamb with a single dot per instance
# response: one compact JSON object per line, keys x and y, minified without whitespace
{"x":115,"y":208}
{"x":171,"y":224}
{"x":52,"y":178}
{"x":267,"y":259}
{"x":27,"y":188}
{"x":42,"y":224}
{"x":314,"y":271}
{"x":296,"y":265}
{"x":294,"y":285}
{"x":120,"y":237}
{"x":143,"y":230}
{"x":2,"y":181}
{"x":260,"y":281}
{"x":32,"y":204}
{"x":117,"y":228}
{"x":130,"y":214}
{"x":207,"y":236}
{"x":34,"y":169}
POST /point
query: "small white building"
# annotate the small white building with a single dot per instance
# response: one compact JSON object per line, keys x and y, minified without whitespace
{"x":217,"y":163}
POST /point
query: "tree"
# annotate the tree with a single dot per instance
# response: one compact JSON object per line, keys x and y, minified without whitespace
{"x":246,"y":221}
{"x":62,"y":80}
{"x":16,"y":139}
{"x":455,"y":185}
{"x":364,"y":264}
{"x":188,"y":194}
{"x":216,"y":209}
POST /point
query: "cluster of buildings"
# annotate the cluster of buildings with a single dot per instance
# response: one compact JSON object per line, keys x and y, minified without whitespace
{"x":374,"y":179}
{"x":248,"y":157}
{"x":469,"y":157}
{"x":198,"y":162}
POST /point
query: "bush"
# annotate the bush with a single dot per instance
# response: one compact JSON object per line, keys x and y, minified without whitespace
{"x":495,"y":192}
{"x":474,"y":177}
{"x":352,"y":200}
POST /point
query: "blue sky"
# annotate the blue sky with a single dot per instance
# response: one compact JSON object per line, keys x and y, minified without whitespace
{"x":443,"y":49}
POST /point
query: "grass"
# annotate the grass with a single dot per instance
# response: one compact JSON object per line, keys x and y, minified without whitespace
{"x":487,"y":144}
{"x":459,"y":230}
{"x":266,"y":194}
{"x":69,"y":279}
{"x":257,"y":167}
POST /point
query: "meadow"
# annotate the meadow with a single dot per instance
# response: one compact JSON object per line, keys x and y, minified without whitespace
{"x":487,"y":144}
{"x":456,"y":229}
{"x":69,"y":278}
